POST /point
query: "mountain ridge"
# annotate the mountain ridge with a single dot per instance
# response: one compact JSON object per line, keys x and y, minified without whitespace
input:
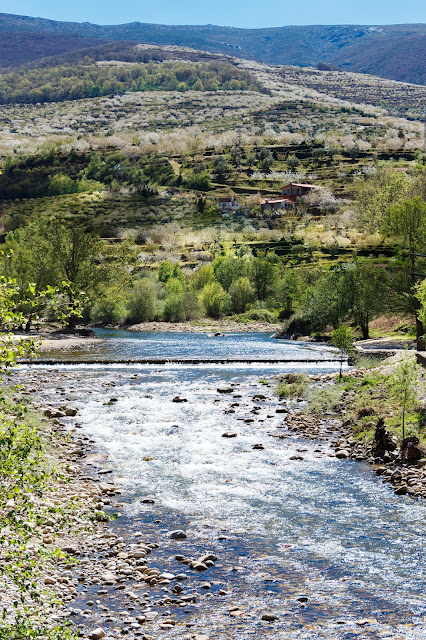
{"x":397,"y":52}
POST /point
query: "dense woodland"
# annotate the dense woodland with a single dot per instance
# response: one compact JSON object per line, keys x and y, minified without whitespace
{"x":88,"y":80}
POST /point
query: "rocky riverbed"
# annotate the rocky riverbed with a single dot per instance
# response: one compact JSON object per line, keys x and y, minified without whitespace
{"x":170,"y":576}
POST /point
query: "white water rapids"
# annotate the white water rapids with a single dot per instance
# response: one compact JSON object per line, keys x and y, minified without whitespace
{"x":319,"y":527}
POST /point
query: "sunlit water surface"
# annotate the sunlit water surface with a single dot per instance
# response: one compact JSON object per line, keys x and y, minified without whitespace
{"x":319,"y":527}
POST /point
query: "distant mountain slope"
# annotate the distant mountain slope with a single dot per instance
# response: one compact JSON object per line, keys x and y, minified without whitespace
{"x":395,"y":51}
{"x":19,"y":48}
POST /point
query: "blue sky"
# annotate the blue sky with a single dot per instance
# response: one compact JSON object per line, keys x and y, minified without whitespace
{"x":235,"y":13}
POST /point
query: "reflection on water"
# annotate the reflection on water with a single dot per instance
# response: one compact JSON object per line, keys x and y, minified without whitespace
{"x":319,"y":528}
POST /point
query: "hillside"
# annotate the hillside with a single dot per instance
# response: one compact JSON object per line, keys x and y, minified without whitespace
{"x":146,"y":156}
{"x":391,"y":51}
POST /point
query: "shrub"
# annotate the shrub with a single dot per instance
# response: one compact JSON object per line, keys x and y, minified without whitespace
{"x":211,"y":298}
{"x":142,"y":305}
{"x":325,"y":399}
{"x":260,"y":315}
{"x":180,"y":307}
{"x":294,"y":386}
{"x":241,"y":293}
{"x":108,"y":312}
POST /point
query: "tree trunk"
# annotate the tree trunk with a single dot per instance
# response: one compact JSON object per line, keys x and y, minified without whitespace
{"x":29,"y":323}
{"x":420,"y":335}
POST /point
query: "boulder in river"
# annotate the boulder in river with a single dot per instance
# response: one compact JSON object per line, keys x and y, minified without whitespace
{"x":342,"y":454}
{"x":177,"y":535}
{"x":410,"y":451}
{"x":269,"y":617}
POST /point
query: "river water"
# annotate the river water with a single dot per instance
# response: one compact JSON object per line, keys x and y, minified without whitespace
{"x":320,"y":529}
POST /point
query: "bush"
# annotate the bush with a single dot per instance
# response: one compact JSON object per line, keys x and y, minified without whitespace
{"x":108,"y":312}
{"x":260,"y":315}
{"x":325,"y":399}
{"x":142,"y":305}
{"x":294,"y":386}
{"x":211,"y":298}
{"x":241,"y":293}
{"x":180,"y":307}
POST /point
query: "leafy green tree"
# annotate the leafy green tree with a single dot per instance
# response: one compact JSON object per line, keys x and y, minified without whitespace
{"x":343,"y":339}
{"x":241,"y":293}
{"x":288,"y":292}
{"x":221,"y":169}
{"x":377,"y":194}
{"x":49,"y":252}
{"x":405,"y":387}
{"x":408,"y":219}
{"x":367,"y":287}
{"x":202,"y":276}
{"x":108,"y":311}
{"x":229,"y":268}
{"x":293,"y":161}
{"x":175,"y":286}
{"x":198,"y":181}
{"x":180,"y":306}
{"x":263,"y":275}
{"x":326,"y":302}
{"x":421,"y":296}
{"x":142,"y":302}
{"x":168,"y":270}
{"x":211,"y":298}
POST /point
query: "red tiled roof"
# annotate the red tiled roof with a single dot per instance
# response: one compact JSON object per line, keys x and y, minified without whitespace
{"x":300,"y":184}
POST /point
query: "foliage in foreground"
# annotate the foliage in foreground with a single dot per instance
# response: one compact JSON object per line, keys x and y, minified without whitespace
{"x":24,"y":478}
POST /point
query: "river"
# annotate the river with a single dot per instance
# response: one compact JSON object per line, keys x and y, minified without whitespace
{"x":321,"y":543}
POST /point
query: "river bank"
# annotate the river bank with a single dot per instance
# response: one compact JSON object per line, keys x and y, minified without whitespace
{"x":207,"y":326}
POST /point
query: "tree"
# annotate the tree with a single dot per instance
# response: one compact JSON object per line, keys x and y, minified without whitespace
{"x":326,"y":301}
{"x":288,"y":292}
{"x":408,"y":219}
{"x":343,"y":339}
{"x":51,"y":253}
{"x":211,"y":298}
{"x":204,"y":275}
{"x":221,"y":169}
{"x":229,"y":268}
{"x":142,"y":304}
{"x":241,"y":293}
{"x":293,"y":161}
{"x":180,"y":306}
{"x":404,"y":386}
{"x":263,"y":275}
{"x":367,"y":286}
{"x":168,"y":270}
{"x":377,"y":194}
{"x":421,"y":296}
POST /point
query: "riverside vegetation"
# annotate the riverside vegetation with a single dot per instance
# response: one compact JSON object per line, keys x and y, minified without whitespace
{"x":381,"y":416}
